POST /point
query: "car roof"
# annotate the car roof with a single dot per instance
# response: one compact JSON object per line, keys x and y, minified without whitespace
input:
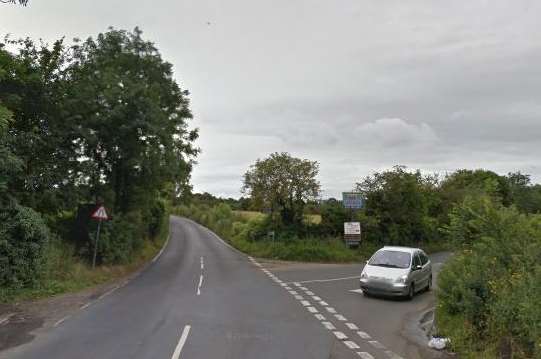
{"x":400,"y":249}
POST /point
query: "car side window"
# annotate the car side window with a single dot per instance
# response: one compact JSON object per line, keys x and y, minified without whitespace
{"x":424,"y":258}
{"x":416,"y":260}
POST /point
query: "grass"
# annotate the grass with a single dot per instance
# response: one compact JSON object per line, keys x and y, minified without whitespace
{"x":249,"y":215}
{"x":66,"y":273}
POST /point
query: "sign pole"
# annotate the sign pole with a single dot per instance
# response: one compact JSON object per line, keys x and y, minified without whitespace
{"x":96,"y":245}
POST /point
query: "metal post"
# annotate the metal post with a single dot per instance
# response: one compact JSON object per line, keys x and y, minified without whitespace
{"x":96,"y":245}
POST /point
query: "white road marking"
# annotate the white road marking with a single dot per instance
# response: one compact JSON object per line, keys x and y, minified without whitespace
{"x":303,"y":288}
{"x":60,"y":321}
{"x":299,"y":297}
{"x":286,"y":287}
{"x":352,"y":326}
{"x":294,"y":292}
{"x":85,"y":305}
{"x":202,"y":264}
{"x":305,"y":303}
{"x":200,"y":283}
{"x":365,"y":355}
{"x":312,"y":309}
{"x":161,"y":250}
{"x":296,"y":284}
{"x":360,"y":291}
{"x":323,"y":303}
{"x":364,"y":335}
{"x":340,"y":335}
{"x":327,"y":280}
{"x":392,"y":355}
{"x":328,"y":325}
{"x":340,"y":317}
{"x":319,"y":316}
{"x":316,"y":298}
{"x":309,"y":292}
{"x":351,"y":345}
{"x":181,"y":342}
{"x":377,"y":344}
{"x":330,"y":309}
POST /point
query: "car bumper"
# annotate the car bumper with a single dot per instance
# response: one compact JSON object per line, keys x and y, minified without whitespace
{"x":383,"y":288}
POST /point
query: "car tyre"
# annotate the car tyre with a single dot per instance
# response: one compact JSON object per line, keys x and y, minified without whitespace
{"x":411,"y":291}
{"x":366,"y":294}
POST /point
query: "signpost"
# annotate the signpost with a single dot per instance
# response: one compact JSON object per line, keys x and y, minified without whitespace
{"x":100,"y":215}
{"x":352,"y":230}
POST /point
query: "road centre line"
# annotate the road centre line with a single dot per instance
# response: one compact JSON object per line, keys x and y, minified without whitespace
{"x":323,"y":280}
{"x":181,"y":342}
{"x":200,"y":283}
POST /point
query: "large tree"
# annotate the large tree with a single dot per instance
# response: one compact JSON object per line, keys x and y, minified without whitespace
{"x":282,"y":184}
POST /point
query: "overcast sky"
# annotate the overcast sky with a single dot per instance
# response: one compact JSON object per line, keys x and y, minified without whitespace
{"x":357,"y":85}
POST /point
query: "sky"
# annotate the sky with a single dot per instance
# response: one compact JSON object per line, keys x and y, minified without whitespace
{"x":359,"y":86}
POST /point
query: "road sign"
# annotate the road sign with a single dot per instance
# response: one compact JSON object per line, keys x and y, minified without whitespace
{"x":352,"y":200}
{"x":352,"y":228}
{"x":352,"y":233}
{"x":100,"y":214}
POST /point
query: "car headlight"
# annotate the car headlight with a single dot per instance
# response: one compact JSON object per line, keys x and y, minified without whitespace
{"x":402,"y":279}
{"x":363,"y":275}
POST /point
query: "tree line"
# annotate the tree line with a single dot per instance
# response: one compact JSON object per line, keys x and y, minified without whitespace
{"x":99,"y":121}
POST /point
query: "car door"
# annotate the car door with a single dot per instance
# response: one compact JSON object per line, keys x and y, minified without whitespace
{"x":417,"y":274}
{"x":427,"y":268}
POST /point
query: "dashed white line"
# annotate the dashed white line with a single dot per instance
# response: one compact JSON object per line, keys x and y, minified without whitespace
{"x":312,"y":309}
{"x":365,"y":355}
{"x":303,"y":288}
{"x":305,"y":303}
{"x":323,"y":303}
{"x":296,"y":284}
{"x":340,"y":335}
{"x":315,"y":297}
{"x":377,"y":344}
{"x":299,"y":297}
{"x":352,"y":326}
{"x":340,"y":317}
{"x":351,"y":345}
{"x":309,"y":292}
{"x":328,"y":325}
{"x":364,"y":335}
{"x":200,"y":283}
{"x":331,"y":310}
{"x":294,"y":292}
{"x":181,"y":342}
{"x":319,"y":316}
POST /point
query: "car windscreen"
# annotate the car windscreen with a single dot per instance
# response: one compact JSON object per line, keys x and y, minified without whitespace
{"x":391,"y":259}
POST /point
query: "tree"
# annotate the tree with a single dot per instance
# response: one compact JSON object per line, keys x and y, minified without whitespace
{"x":525,"y":195}
{"x":401,"y":203}
{"x":129,"y":119}
{"x":282,"y":184}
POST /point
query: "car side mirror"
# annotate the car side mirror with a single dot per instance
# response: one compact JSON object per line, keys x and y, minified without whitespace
{"x":417,"y":267}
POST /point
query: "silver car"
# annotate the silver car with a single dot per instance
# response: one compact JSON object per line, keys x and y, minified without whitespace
{"x":397,"y":271}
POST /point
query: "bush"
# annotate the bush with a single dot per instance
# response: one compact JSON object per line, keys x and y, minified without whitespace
{"x":23,"y":241}
{"x":490,"y":290}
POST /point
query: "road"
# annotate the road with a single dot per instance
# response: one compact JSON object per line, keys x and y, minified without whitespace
{"x":201,"y":299}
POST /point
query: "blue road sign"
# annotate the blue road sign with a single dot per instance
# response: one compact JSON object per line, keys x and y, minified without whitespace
{"x":352,"y":200}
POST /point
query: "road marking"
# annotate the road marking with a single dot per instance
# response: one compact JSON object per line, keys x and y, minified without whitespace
{"x":303,"y":288}
{"x":351,"y":345}
{"x":323,"y":303}
{"x":181,"y":342}
{"x":392,"y":355}
{"x":161,"y":250}
{"x":200,"y":283}
{"x":316,"y":298}
{"x":60,"y":321}
{"x":319,"y":316}
{"x":305,"y":303}
{"x":364,"y":335}
{"x":284,"y":285}
{"x":312,"y":309}
{"x":296,"y":284}
{"x":202,"y":264}
{"x":299,"y":297}
{"x":85,"y":305}
{"x":326,"y":280}
{"x":360,"y":291}
{"x":352,"y":326}
{"x":331,"y":310}
{"x":340,"y":335}
{"x":365,"y":355}
{"x":328,"y":325}
{"x":340,"y":317}
{"x":377,"y":344}
{"x":294,"y":292}
{"x":309,"y":292}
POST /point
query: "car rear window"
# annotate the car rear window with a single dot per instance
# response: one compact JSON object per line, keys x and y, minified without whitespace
{"x":391,"y":259}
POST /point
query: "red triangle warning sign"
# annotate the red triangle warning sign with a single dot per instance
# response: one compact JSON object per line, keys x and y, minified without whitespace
{"x":100,"y":214}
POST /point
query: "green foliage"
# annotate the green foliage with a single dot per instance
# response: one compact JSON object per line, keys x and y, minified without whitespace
{"x":398,"y":204}
{"x":282,"y":185}
{"x":489,"y":289}
{"x":23,"y":241}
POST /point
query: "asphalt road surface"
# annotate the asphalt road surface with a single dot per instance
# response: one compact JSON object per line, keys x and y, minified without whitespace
{"x":201,"y":299}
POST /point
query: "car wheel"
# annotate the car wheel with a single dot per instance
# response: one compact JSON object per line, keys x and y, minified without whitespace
{"x":411,"y":291}
{"x":366,"y":294}
{"x":429,"y":285}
